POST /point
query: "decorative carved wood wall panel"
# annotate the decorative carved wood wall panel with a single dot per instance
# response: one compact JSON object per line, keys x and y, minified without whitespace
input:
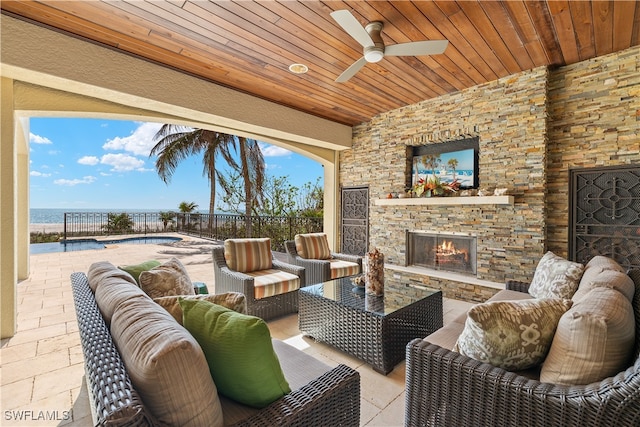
{"x":355,"y":221}
{"x":605,"y":214}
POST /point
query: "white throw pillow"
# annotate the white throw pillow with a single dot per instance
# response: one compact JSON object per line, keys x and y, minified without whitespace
{"x":555,"y":277}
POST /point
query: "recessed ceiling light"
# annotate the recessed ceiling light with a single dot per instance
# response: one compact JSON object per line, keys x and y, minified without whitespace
{"x":298,"y":68}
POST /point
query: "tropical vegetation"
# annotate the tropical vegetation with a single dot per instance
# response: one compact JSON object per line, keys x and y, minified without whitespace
{"x":175,"y":143}
{"x":118,"y":223}
{"x":279,"y":198}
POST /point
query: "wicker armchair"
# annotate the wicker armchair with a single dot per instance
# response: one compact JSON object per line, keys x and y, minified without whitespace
{"x":322,"y":270}
{"x":228,"y":280}
{"x":445,"y":388}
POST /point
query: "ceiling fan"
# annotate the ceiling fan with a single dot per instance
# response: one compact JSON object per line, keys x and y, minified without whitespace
{"x":374,"y":48}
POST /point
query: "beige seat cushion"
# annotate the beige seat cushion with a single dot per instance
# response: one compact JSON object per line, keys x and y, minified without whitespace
{"x":268,"y":283}
{"x":312,"y":246}
{"x":170,"y":278}
{"x":166,"y":365}
{"x":512,"y":335}
{"x":594,"y":339}
{"x":340,"y":268}
{"x":235,"y":301}
{"x":510,"y":295}
{"x":447,"y":336}
{"x":299,"y":369}
{"x":246,"y":255}
{"x":555,"y":277}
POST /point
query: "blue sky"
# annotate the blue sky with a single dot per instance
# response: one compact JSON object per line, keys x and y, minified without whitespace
{"x":99,"y":163}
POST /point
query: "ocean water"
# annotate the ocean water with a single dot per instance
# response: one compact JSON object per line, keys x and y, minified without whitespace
{"x":56,"y":216}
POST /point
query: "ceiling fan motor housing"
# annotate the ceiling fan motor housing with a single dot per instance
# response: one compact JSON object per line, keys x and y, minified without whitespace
{"x":374,"y":53}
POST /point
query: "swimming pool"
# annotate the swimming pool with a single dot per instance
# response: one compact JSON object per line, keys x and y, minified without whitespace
{"x":86,"y":244}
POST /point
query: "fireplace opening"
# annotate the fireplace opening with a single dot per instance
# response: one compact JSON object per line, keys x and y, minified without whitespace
{"x":439,"y":251}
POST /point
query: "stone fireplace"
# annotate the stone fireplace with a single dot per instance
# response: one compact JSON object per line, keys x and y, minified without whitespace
{"x":442,"y":251}
{"x":532,"y":128}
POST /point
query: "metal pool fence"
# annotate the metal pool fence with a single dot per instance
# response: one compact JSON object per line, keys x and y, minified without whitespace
{"x":216,"y":227}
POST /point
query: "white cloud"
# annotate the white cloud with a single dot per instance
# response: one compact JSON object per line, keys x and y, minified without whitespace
{"x":40,"y":174}
{"x":37,"y":139}
{"x":122,"y":162}
{"x":274,"y":151}
{"x":89,"y":160}
{"x":105,"y":174}
{"x":140,"y":142}
{"x":71,"y":182}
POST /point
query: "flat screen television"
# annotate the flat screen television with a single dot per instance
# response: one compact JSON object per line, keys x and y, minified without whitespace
{"x":449,"y":161}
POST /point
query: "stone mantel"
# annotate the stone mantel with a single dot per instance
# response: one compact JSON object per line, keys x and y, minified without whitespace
{"x":425,"y":201}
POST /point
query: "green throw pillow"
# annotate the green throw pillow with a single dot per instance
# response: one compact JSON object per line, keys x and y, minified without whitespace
{"x":136,"y":269}
{"x":239,"y":352}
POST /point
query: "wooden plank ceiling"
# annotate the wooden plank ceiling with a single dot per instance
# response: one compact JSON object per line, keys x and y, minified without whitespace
{"x":249,"y":45}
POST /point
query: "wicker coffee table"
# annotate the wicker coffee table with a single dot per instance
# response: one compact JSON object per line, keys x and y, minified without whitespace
{"x":373,"y":329}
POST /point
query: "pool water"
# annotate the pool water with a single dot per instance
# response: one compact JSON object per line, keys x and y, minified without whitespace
{"x":86,"y":244}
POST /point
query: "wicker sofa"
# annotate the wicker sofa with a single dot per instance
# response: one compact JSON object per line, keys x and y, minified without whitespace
{"x":445,"y":388}
{"x":320,"y":395}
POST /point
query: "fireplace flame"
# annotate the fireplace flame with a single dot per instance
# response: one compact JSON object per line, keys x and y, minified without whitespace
{"x":447,"y":252}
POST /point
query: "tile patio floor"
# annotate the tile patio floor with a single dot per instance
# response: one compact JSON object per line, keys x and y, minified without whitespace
{"x":42,"y":373}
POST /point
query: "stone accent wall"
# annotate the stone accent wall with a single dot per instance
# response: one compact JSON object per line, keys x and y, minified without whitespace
{"x":509,"y":117}
{"x":532,"y":126}
{"x":595,"y":121}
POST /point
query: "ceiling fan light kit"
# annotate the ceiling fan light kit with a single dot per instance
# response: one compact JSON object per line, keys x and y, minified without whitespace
{"x":373,"y":54}
{"x":373,"y":46}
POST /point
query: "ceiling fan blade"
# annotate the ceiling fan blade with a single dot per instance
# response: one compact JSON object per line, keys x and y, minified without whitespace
{"x":352,"y":70}
{"x":350,"y":24}
{"x":427,"y":47}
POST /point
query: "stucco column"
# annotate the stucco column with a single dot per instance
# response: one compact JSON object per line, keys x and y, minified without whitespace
{"x":331,"y":202}
{"x":23,"y":237}
{"x":8,"y":213}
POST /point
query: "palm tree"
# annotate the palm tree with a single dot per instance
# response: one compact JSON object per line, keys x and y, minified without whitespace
{"x":453,"y":164}
{"x":166,"y":218}
{"x":186,"y":208}
{"x":118,"y":223}
{"x":176,"y":143}
{"x":252,"y":170}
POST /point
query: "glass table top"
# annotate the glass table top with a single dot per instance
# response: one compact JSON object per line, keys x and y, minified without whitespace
{"x":397,"y":294}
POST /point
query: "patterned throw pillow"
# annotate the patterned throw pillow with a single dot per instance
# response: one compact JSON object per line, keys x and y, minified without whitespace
{"x":170,"y":278}
{"x":235,"y":301}
{"x":512,"y":335}
{"x":246,"y":255}
{"x":239,"y":352}
{"x":313,"y":246}
{"x":555,"y":277}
